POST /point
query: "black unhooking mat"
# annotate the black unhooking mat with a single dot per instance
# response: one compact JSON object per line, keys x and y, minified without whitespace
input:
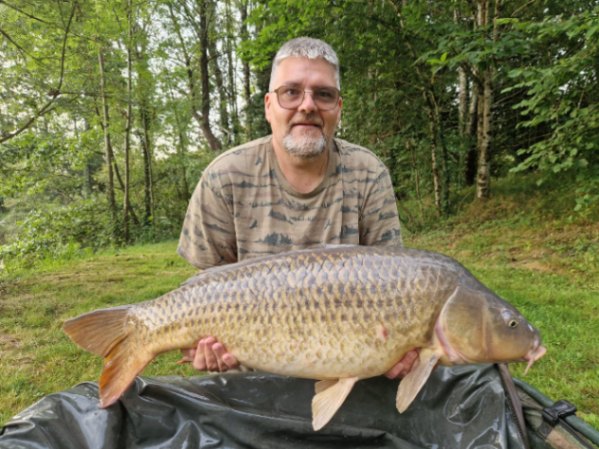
{"x":460,"y":407}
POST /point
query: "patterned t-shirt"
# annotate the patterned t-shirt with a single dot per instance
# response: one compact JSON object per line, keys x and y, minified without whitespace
{"x":244,"y":207}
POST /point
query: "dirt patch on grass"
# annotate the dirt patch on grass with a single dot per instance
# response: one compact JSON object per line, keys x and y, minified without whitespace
{"x":533,"y":265}
{"x":12,"y":353}
{"x":9,"y":342}
{"x":565,"y":249}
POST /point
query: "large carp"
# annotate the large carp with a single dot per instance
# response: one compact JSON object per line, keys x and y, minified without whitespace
{"x":337,"y":314}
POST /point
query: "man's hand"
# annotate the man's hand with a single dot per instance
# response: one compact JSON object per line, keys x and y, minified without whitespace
{"x":210,"y":355}
{"x":404,"y":366}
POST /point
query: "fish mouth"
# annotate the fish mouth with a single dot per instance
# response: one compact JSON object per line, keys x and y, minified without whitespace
{"x":533,"y":355}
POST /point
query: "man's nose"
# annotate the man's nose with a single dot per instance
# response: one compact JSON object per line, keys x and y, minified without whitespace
{"x":307,"y":103}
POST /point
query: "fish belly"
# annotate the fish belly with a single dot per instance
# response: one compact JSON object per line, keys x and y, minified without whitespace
{"x":319,"y":316}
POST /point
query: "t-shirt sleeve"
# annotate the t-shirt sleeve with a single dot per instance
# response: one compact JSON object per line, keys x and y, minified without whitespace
{"x":379,"y":221}
{"x":208,"y":235}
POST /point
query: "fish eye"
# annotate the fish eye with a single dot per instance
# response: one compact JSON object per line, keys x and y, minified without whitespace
{"x":510,"y":319}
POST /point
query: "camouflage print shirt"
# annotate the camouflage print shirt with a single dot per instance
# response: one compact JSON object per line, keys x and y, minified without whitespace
{"x":243,"y":206}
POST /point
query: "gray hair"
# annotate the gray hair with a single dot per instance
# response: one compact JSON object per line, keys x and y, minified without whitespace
{"x":306,"y":47}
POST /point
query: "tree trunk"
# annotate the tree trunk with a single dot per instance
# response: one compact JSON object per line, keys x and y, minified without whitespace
{"x":471,"y":132}
{"x":109,"y":155}
{"x":484,"y":137}
{"x":223,"y":100}
{"x":182,"y":122}
{"x":435,"y":168}
{"x":463,"y":95}
{"x":201,"y":111}
{"x":247,"y":90}
{"x":412,"y":150}
{"x":147,"y":152}
{"x":231,"y":97}
{"x":145,"y":86}
{"x":439,"y":168}
{"x":205,"y":78}
{"x":128,"y":123}
{"x":485,"y":101}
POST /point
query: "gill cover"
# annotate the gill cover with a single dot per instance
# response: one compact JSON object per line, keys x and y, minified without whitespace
{"x":478,"y":326}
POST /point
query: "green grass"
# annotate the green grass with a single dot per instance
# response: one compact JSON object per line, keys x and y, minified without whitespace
{"x":36,"y":357}
{"x":546,"y":265}
{"x":531,"y":252}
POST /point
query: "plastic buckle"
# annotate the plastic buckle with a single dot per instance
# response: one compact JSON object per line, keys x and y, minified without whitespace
{"x":559,"y":410}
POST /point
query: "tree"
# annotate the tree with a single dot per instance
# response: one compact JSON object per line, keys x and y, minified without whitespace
{"x":21,"y":51}
{"x":111,"y":109}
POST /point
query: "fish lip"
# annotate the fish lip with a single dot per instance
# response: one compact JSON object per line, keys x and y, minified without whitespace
{"x":533,"y":355}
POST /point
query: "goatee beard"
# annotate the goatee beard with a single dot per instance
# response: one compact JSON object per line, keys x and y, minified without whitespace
{"x":304,"y":147}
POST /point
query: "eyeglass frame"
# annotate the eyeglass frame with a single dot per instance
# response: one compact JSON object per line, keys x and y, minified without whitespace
{"x":333,"y":103}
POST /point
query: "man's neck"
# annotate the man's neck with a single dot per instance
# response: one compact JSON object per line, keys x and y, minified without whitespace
{"x":303,"y":174}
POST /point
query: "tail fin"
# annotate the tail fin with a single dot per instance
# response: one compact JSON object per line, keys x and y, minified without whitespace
{"x":108,"y":333}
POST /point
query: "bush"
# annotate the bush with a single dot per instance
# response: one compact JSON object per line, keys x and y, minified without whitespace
{"x":58,"y":231}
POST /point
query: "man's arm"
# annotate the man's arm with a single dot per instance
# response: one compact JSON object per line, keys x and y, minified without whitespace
{"x":208,"y":235}
{"x":379,"y":220}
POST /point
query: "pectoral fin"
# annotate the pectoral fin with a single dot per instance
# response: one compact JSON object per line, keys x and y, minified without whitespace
{"x":328,"y":398}
{"x":322,"y":385}
{"x":413,"y":382}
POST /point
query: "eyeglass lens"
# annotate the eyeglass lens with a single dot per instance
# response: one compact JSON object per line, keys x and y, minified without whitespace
{"x":291,"y":97}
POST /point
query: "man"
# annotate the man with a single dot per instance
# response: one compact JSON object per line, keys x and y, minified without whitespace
{"x":297,"y":188}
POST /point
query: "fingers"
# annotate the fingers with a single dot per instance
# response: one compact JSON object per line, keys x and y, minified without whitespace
{"x":206,"y":355}
{"x":211,"y":355}
{"x":403,"y":367}
{"x":226,"y":360}
{"x":187,"y":356}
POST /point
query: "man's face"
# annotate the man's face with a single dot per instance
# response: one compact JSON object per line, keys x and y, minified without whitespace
{"x":306,"y":130}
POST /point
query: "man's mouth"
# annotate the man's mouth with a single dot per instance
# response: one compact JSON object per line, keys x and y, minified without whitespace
{"x":306,"y":124}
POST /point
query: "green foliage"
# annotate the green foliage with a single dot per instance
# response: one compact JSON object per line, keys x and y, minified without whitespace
{"x":400,"y":89}
{"x":562,"y":96}
{"x":58,"y":232}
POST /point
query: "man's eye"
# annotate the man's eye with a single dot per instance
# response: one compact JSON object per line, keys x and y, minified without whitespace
{"x":325,"y":94}
{"x":291,"y":92}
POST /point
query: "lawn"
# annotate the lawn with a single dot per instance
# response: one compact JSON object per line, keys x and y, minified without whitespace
{"x":552,"y":279}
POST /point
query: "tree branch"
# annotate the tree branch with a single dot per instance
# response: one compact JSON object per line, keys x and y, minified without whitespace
{"x":54,"y":92}
{"x":2,"y":2}
{"x":11,"y":40}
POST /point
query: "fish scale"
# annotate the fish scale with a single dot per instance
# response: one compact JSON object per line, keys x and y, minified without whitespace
{"x":338,"y":313}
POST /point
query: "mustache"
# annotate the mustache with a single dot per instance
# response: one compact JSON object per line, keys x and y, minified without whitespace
{"x":306,"y":120}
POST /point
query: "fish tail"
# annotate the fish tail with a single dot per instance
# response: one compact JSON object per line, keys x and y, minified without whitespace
{"x":107,"y":333}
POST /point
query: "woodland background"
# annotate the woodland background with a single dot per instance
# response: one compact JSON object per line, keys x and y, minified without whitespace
{"x":485,"y":111}
{"x":110,"y":109}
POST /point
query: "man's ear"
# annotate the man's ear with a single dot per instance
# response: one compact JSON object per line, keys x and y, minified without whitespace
{"x":267,"y":104}
{"x":339,"y":111}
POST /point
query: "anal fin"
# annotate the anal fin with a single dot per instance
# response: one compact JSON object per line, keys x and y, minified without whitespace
{"x":412,"y":383}
{"x":328,"y":399}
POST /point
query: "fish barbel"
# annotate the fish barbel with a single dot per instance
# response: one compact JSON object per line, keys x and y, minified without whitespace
{"x":335,"y":314}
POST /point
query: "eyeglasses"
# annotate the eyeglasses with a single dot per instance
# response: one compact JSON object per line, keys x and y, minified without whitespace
{"x":289,"y":97}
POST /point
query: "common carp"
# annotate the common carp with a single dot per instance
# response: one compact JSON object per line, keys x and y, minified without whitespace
{"x":336,"y":314}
